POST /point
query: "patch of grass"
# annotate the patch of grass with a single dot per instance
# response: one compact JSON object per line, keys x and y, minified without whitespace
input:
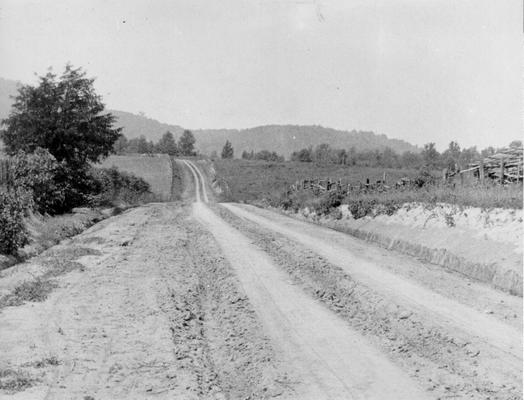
{"x":52,"y":361}
{"x":15,"y":381}
{"x":34,"y":291}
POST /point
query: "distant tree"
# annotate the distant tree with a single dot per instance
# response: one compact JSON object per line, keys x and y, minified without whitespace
{"x":63,"y":115}
{"x":322,"y":153}
{"x":468,"y":156}
{"x":266,"y":155}
{"x":248,"y":155}
{"x":410,"y":160}
{"x":516,"y":144}
{"x":143,"y":146}
{"x":352,"y":156}
{"x":389,"y":159}
{"x":340,"y":156}
{"x":451,"y":156}
{"x":430,"y":156}
{"x":304,"y":155}
{"x":227,"y":150}
{"x":186,"y":144}
{"x":488,"y":151}
{"x":167,"y":144}
{"x":132,"y":146}
{"x":120,"y":146}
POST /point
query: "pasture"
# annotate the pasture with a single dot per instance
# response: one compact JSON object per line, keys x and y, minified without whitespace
{"x":255,"y":180}
{"x":155,"y":169}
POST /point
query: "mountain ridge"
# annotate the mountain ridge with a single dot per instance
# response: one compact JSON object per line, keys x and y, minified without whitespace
{"x":284,"y":139}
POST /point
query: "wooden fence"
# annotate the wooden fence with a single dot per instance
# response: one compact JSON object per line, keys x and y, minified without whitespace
{"x":319,"y":185}
{"x":506,"y":166}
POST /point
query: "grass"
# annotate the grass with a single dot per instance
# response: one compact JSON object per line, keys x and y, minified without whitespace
{"x":156,"y":170}
{"x":252,"y":181}
{"x":15,"y":381}
{"x":268,"y":183}
{"x":58,"y":262}
{"x":34,"y":291}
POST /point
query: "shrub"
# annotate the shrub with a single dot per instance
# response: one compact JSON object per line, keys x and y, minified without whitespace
{"x":361,"y":207}
{"x":328,"y":201}
{"x":13,"y":233}
{"x":115,"y":186}
{"x":37,"y":173}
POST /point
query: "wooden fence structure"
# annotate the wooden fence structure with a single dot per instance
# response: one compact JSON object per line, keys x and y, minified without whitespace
{"x":319,"y":185}
{"x":505,"y":166}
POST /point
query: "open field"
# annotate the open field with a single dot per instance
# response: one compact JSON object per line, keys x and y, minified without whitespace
{"x":254,"y":180}
{"x":156,"y":170}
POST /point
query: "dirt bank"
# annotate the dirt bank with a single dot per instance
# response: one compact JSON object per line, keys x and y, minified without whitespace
{"x":485,"y":245}
{"x":47,"y":231}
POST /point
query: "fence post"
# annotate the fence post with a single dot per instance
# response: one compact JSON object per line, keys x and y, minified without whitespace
{"x":481,"y":171}
{"x":384,"y":177}
{"x":501,"y":171}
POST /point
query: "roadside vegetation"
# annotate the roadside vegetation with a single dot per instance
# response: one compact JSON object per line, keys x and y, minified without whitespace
{"x":251,"y":181}
{"x":270,"y":183}
{"x":55,"y":133}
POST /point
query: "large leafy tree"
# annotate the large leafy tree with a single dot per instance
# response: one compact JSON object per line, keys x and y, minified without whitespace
{"x":64,"y":115}
{"x":430,"y":155}
{"x":186,"y":143}
{"x":167,"y":144}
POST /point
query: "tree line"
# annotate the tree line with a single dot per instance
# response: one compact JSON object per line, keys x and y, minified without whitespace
{"x":185,"y":146}
{"x":453,"y":158}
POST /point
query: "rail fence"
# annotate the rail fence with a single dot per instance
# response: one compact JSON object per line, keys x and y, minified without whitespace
{"x":504,"y":167}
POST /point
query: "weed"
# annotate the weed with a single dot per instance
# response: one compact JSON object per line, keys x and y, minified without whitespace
{"x":34,"y":291}
{"x":15,"y":381}
{"x":450,"y":221}
{"x":53,"y":361}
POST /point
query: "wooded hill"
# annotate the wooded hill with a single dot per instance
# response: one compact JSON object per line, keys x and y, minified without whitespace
{"x":283,"y":139}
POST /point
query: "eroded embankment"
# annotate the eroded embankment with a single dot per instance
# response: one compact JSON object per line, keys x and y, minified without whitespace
{"x":445,"y":361}
{"x":482,"y":248}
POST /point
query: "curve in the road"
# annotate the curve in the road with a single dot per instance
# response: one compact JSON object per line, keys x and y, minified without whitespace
{"x":199,"y":181}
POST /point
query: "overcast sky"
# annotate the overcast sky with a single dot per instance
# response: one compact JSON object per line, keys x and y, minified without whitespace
{"x":422,"y":71}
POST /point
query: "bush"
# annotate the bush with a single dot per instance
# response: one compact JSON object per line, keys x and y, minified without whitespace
{"x":37,"y":173}
{"x":13,"y":233}
{"x":328,"y":202}
{"x":115,"y":186}
{"x":361,"y":207}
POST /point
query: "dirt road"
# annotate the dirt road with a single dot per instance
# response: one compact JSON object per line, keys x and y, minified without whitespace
{"x":195,"y":300}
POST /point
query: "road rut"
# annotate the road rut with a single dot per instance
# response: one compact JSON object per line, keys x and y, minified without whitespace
{"x":449,"y":312}
{"x":332,"y":361}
